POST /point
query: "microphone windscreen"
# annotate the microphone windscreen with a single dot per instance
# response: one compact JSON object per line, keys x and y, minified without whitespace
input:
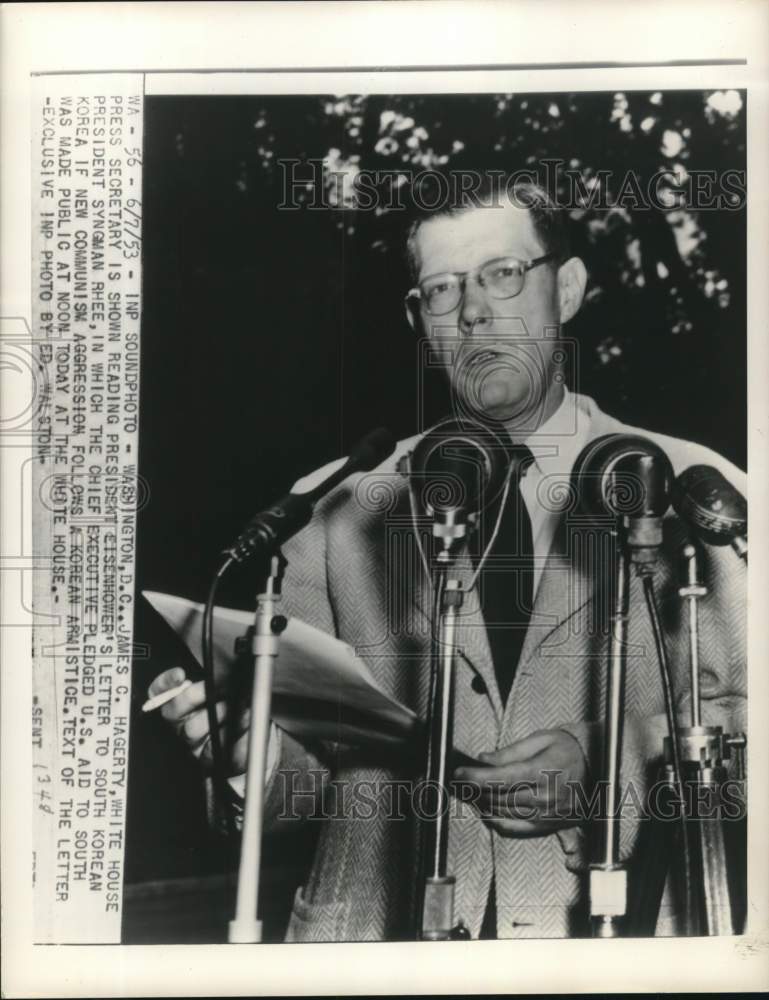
{"x":706,"y":500}
{"x":459,"y":465}
{"x":372,"y":450}
{"x":623,"y":475}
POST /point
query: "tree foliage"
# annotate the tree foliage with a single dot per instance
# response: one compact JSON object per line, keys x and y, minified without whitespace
{"x":666,"y":300}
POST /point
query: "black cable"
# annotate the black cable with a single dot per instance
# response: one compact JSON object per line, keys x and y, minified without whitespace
{"x":675,"y":738}
{"x":219,"y":777}
{"x":439,"y":586}
{"x":427,"y":829}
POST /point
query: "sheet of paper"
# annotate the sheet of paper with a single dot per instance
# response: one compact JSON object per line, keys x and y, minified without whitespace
{"x":320,"y":686}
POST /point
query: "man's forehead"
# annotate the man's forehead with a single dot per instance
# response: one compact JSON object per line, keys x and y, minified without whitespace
{"x":466,"y":240}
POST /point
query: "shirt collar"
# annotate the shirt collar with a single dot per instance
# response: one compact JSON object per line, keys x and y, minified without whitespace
{"x":557,"y":443}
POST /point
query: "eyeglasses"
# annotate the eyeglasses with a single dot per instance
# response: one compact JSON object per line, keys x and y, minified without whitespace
{"x":502,"y":278}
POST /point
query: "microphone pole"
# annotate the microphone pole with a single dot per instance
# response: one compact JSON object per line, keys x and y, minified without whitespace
{"x":458,"y":463}
{"x":246,"y":927}
{"x":263,"y":537}
{"x":717,"y":514}
{"x":628,"y":479}
{"x":437,"y":911}
{"x":705,"y":750}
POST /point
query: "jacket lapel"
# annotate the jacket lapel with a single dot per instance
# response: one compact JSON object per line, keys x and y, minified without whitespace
{"x":472,"y":638}
{"x":568,"y":585}
{"x":576,"y":564}
{"x":569,"y":581}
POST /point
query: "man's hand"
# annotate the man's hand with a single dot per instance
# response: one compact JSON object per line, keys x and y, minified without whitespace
{"x":187,"y":714}
{"x":523,"y":788}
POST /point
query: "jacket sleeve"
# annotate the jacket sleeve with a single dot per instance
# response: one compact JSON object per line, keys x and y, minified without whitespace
{"x":298,"y":782}
{"x":294,"y":786}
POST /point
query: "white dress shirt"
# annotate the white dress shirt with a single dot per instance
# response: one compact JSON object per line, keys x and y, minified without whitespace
{"x":545,"y":486}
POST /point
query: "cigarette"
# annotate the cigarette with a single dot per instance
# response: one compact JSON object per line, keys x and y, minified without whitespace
{"x":164,"y":696}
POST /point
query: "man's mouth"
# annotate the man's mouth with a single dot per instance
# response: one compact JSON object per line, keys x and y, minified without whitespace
{"x":481,"y":357}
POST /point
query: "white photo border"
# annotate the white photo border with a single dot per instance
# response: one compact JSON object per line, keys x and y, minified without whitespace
{"x":167,"y":39}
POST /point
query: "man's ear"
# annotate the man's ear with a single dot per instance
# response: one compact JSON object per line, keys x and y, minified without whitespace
{"x":572,"y":279}
{"x":413,"y":315}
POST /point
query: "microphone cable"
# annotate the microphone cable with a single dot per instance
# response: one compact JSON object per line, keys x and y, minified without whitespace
{"x":218,"y":773}
{"x":420,"y":548}
{"x":675,"y":737}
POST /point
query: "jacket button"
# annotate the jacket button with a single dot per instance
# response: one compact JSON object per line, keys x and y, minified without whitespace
{"x":478,"y":684}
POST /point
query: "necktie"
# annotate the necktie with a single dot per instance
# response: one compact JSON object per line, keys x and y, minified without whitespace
{"x":507,"y":579}
{"x":506,"y":590}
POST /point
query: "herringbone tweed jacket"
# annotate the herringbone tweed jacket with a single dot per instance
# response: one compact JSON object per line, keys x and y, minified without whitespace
{"x":353,"y":572}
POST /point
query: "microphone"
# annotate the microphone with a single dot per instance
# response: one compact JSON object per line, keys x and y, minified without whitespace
{"x":627,"y":477}
{"x":270,"y":528}
{"x":457,"y":469}
{"x":713,"y":508}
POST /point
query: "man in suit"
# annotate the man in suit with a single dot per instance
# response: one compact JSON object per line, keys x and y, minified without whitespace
{"x":494,"y":285}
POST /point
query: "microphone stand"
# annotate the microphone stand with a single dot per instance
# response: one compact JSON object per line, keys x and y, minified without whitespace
{"x":713,"y":908}
{"x":613,"y":472}
{"x":705,"y":750}
{"x":608,"y":877}
{"x":442,"y":452}
{"x":638,"y":539}
{"x":245,"y":927}
{"x":437,"y":901}
{"x":740,"y":546}
{"x":263,"y":536}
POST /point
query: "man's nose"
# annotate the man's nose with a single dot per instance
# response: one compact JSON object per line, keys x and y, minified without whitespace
{"x":474,"y":310}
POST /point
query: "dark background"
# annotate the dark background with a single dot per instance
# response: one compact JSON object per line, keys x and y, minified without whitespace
{"x":273,"y":339}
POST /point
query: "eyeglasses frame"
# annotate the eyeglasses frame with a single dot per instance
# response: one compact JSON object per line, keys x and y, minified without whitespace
{"x":526,"y":266}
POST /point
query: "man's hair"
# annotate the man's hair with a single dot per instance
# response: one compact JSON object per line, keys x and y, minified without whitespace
{"x":494,"y":190}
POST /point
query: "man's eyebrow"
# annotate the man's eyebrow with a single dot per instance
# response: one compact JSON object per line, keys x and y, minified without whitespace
{"x":523,"y":256}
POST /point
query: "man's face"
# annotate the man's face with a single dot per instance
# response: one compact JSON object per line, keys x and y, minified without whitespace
{"x":498,"y":353}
